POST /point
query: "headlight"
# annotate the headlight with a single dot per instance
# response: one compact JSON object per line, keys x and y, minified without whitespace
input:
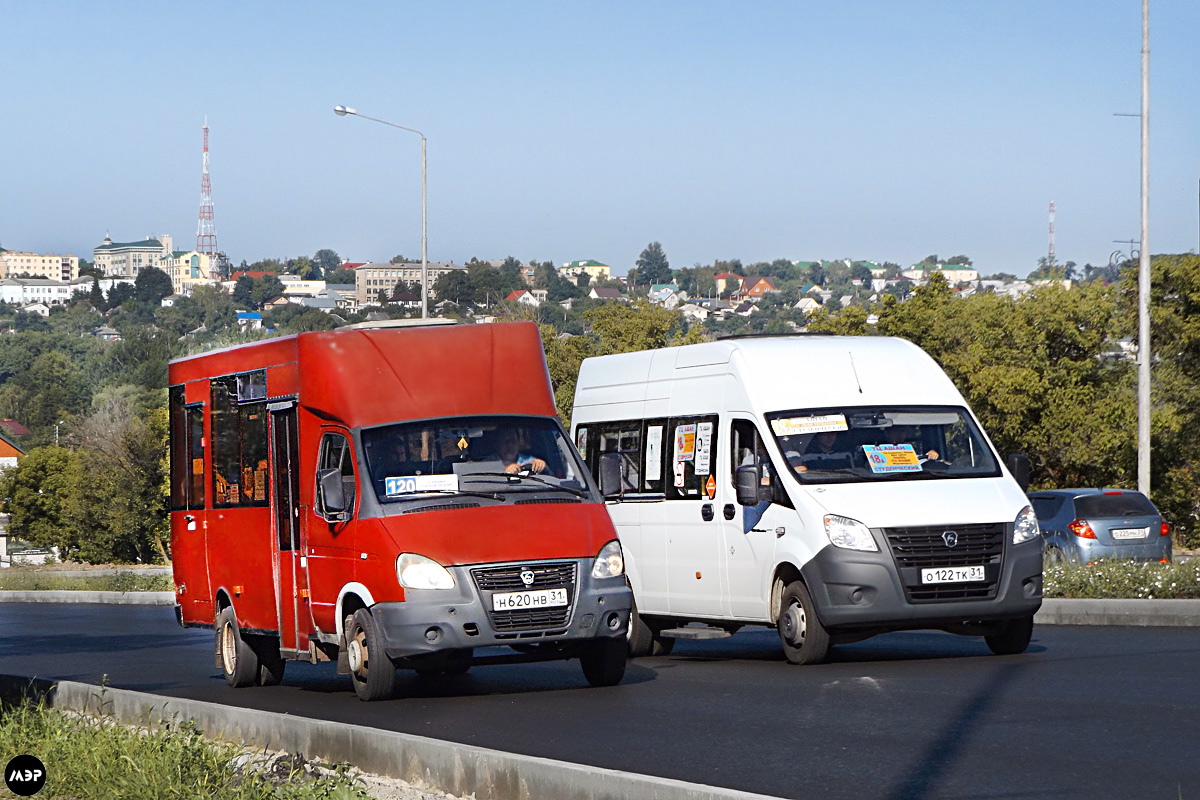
{"x":419,"y":572}
{"x":610,"y":563}
{"x":849,"y":533}
{"x":1026,"y":528}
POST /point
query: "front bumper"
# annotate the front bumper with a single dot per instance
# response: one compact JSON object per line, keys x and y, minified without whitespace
{"x":853,"y":589}
{"x":430,"y":622}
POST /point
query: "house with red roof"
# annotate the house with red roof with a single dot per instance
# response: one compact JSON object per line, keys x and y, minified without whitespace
{"x":522,"y":296}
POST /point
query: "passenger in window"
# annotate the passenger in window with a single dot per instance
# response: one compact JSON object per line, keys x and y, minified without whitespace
{"x":822,"y":448}
{"x":509,"y":450}
{"x":904,"y":434}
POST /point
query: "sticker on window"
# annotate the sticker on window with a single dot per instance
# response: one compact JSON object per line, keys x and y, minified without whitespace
{"x":654,"y":452}
{"x":679,"y":473}
{"x":887,"y":458}
{"x":411,"y":484}
{"x":791,"y":426}
{"x":703,"y":446}
{"x":685,"y":442}
{"x":581,"y":441}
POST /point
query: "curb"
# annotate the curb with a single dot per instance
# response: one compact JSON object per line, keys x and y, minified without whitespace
{"x":114,"y":598}
{"x":455,"y":768}
{"x":1156,"y":613}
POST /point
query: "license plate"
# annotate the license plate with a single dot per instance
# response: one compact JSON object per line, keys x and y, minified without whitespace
{"x":1130,"y":533}
{"x":952,"y":575}
{"x":539,"y":598}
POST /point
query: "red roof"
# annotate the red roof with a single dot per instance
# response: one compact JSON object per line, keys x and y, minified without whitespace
{"x":250,"y":274}
{"x":13,"y":427}
{"x":516,"y":294}
{"x":352,"y":265}
{"x":727,"y":276}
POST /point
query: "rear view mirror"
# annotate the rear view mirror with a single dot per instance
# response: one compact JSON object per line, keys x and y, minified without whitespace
{"x":747,"y":482}
{"x":332,"y":494}
{"x":1018,"y":465}
{"x":610,"y":475}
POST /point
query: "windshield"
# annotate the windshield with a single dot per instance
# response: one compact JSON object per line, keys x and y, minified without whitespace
{"x":856,"y":444}
{"x":471,"y":455}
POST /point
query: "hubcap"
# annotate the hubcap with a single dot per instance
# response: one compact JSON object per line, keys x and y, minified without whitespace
{"x":354,"y":654}
{"x":228,"y":649}
{"x":793,"y":625}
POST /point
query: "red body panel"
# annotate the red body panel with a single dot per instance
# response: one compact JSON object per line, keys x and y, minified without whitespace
{"x":348,"y":379}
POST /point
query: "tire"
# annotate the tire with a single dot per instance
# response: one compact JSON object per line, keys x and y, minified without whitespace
{"x":371,"y":671}
{"x":1010,"y":637}
{"x":804,"y":638}
{"x":644,"y":640}
{"x":239,"y":662}
{"x":270,"y":662}
{"x":603,"y":661}
{"x":1055,"y":555}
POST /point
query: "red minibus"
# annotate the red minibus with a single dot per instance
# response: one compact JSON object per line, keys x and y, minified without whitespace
{"x":388,"y":497}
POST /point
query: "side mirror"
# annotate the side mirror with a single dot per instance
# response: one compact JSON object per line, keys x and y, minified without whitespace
{"x":1018,"y":465}
{"x":747,"y":482}
{"x":332,"y":494}
{"x":610,"y":475}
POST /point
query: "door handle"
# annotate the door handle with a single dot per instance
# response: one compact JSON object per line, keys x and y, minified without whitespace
{"x":729,"y":511}
{"x":706,"y":511}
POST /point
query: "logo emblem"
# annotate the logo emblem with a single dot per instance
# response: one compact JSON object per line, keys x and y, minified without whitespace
{"x":527,"y":577}
{"x":950,"y":538}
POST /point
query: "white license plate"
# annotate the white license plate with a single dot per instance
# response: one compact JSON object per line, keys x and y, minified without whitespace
{"x":538,"y":598}
{"x":952,"y":575}
{"x":1130,"y":533}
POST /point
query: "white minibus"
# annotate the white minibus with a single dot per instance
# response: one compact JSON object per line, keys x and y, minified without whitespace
{"x":835,"y":487}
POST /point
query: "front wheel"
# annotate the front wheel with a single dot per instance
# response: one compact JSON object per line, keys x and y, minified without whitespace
{"x":603,"y":661}
{"x":239,"y":662}
{"x":1010,"y":637}
{"x":371,"y":671}
{"x":644,"y":640}
{"x":805,"y":640}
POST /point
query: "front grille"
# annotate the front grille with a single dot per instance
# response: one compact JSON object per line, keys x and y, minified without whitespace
{"x":915,"y":549}
{"x":508,"y":579}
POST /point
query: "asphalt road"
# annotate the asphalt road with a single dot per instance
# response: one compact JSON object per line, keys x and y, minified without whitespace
{"x":1085,"y":713}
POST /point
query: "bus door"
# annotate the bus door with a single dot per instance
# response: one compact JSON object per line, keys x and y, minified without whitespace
{"x":291,"y":586}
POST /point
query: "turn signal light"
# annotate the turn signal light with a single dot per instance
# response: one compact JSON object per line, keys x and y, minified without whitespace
{"x":1165,"y":530}
{"x":1080,"y":528}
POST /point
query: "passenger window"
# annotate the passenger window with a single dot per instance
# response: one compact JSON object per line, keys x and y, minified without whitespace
{"x":239,"y":433}
{"x":187,"y":452}
{"x":336,"y":453}
{"x":692,"y":443}
{"x":624,"y":438}
{"x":748,"y":449}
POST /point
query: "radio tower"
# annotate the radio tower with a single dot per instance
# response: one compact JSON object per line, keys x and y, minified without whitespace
{"x":206,"y":228}
{"x":1050,"y":257}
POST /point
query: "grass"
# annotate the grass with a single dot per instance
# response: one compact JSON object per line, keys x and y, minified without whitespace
{"x":90,"y":759}
{"x":1123,"y":579}
{"x":22,"y":580}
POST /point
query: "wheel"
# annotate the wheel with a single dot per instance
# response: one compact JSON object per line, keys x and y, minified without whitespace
{"x":239,"y":662}
{"x":644,"y":640}
{"x":603,"y":661}
{"x":805,"y":640}
{"x":371,"y":671}
{"x":270,"y":662}
{"x":1055,"y":555}
{"x":1011,"y":636}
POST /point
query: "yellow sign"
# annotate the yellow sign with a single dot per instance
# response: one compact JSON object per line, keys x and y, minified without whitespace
{"x":462,"y":443}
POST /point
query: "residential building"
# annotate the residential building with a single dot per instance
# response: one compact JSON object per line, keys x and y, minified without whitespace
{"x":807,"y":305}
{"x":728,"y":282}
{"x":39,"y":308}
{"x":374,"y":281}
{"x":107,"y":334}
{"x":694,"y":312}
{"x":22,"y":291}
{"x":9,"y":452}
{"x":594,"y":269}
{"x":606,"y":294}
{"x":522,"y":297}
{"x":130,"y":258}
{"x":189,"y":268}
{"x":249,"y":320}
{"x":343,"y":295}
{"x":755,"y":287}
{"x":295,"y":286}
{"x":37,"y":265}
{"x":527,"y":274}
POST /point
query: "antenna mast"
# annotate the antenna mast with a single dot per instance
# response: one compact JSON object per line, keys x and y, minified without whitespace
{"x":206,"y":228}
{"x":1050,"y":256}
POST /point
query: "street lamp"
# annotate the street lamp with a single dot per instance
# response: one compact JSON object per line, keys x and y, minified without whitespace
{"x":342,"y":111}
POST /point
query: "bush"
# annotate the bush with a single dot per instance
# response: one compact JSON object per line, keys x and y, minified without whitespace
{"x":1123,"y":579}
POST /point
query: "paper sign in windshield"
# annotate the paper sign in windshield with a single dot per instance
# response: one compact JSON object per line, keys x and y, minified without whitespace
{"x":886,"y":458}
{"x":685,"y":442}
{"x":791,"y":426}
{"x":412,"y":484}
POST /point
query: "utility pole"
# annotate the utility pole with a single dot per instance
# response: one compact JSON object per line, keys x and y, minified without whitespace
{"x":1144,"y":356}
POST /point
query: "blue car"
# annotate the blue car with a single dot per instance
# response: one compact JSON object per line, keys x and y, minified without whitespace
{"x":1085,"y":525}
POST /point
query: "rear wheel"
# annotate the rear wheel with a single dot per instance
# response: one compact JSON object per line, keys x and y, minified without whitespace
{"x":371,"y":671}
{"x":604,"y":660}
{"x":805,"y":640}
{"x":1011,"y":636}
{"x":239,"y":662}
{"x":644,"y":640}
{"x":1055,"y":555}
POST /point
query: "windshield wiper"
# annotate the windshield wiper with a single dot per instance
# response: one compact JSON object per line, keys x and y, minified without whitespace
{"x":519,"y":476}
{"x":415,"y":495}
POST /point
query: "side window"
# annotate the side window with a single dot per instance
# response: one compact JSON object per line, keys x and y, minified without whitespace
{"x":748,"y":450}
{"x":336,"y":453}
{"x":177,"y":422}
{"x":239,"y":433}
{"x":1046,"y":507}
{"x":195,"y":426}
{"x":692,"y":446}
{"x":624,"y":438}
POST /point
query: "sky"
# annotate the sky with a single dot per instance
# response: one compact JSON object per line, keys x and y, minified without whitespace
{"x":556,"y":131}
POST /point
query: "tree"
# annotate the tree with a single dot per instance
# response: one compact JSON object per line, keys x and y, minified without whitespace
{"x":403,"y":260}
{"x":652,"y":265}
{"x":326,"y":259}
{"x":861,"y":272}
{"x":339,"y":276}
{"x":119,"y":294}
{"x":152,"y":285}
{"x":959,"y":260}
{"x":33,"y":494}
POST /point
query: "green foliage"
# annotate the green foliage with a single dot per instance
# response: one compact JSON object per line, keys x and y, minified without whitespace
{"x":152,"y":285}
{"x":21,"y":579}
{"x":326,"y":260}
{"x":35,"y":493}
{"x":1110,"y":578}
{"x":652,"y":265}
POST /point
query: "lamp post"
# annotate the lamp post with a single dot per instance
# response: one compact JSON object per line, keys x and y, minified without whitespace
{"x":342,"y":111}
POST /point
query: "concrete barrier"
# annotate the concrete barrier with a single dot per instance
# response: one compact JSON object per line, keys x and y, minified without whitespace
{"x":456,"y":768}
{"x":1063,"y":611}
{"x":117,"y":598}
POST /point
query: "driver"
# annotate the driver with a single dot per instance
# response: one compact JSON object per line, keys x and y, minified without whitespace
{"x":904,"y":434}
{"x":508,"y":448}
